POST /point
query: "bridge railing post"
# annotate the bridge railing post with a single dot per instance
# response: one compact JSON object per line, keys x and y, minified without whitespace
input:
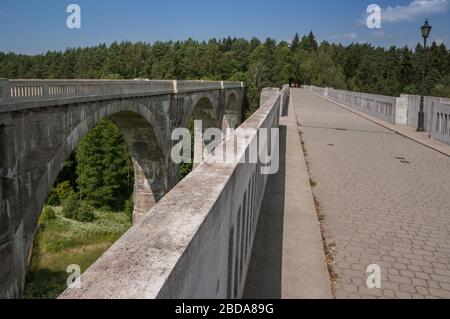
{"x":4,"y":89}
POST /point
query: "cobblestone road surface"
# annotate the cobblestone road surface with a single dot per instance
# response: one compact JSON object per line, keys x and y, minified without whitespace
{"x":386,"y":200}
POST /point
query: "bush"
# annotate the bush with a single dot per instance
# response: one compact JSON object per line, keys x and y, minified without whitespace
{"x":71,"y":206}
{"x":129,"y":207}
{"x":48,"y":214}
{"x":78,"y":210}
{"x":85,"y":213}
{"x":53,"y":199}
{"x":60,"y":193}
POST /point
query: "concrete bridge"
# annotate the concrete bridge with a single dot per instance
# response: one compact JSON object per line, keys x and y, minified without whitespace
{"x":357,"y":187}
{"x":41,"y":123}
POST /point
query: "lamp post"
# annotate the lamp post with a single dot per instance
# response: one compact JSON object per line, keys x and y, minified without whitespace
{"x":426,"y":30}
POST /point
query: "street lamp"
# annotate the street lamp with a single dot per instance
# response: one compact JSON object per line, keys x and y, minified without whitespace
{"x":426,"y":30}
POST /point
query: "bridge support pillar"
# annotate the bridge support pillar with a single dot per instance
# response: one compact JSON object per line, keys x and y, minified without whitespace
{"x":12,"y":261}
{"x":4,"y":85}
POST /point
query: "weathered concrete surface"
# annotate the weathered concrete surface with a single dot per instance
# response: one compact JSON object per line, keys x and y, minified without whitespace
{"x":441,"y":123}
{"x":41,"y":123}
{"x":385,"y":198}
{"x":197,"y":241}
{"x":266,"y":94}
{"x":410,"y":132}
{"x":288,"y":260}
{"x":380,"y":106}
{"x":401,"y":110}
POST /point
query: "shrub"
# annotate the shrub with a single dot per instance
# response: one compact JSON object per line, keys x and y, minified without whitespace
{"x":71,"y":206}
{"x":64,"y":190}
{"x":48,"y":214}
{"x":78,"y":210}
{"x":53,"y":199}
{"x":60,"y":193}
{"x":85,"y":213}
{"x":129,"y":207}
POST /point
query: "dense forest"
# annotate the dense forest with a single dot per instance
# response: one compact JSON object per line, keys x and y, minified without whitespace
{"x":358,"y":67}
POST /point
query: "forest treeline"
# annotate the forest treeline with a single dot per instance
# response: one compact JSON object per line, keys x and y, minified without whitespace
{"x":357,"y":67}
{"x":101,"y":172}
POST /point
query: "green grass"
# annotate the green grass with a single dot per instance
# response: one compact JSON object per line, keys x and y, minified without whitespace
{"x":62,"y":242}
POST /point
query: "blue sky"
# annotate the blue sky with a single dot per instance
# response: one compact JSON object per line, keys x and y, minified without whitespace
{"x":37,"y":26}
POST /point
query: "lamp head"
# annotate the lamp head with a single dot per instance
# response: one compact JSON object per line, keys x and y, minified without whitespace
{"x":426,"y":29}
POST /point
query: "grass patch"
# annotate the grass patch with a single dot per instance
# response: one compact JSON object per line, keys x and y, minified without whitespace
{"x":61,"y":242}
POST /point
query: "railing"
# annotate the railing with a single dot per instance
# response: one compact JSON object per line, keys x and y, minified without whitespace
{"x":12,"y":91}
{"x":401,"y":110}
{"x":380,"y":106}
{"x":441,"y":127}
{"x":197,"y":241}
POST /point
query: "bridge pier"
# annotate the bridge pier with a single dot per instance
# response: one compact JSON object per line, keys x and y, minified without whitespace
{"x":12,"y":265}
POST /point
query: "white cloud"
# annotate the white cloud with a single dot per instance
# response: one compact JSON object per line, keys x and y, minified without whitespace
{"x":416,"y":9}
{"x":351,"y":35}
{"x":381,"y":35}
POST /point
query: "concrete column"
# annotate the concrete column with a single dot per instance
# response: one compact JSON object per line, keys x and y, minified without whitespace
{"x":12,"y":263}
{"x":198,"y":145}
{"x":4,"y":85}
{"x":401,"y":110}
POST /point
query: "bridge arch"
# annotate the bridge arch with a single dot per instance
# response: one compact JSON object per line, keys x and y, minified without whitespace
{"x":205,"y":110}
{"x":139,"y":128}
{"x":231,"y":115}
{"x":41,"y":123}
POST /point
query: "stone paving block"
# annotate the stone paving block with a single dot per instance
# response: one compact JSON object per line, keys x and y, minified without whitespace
{"x":374,"y":208}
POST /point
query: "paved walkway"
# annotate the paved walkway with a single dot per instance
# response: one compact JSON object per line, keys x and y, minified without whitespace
{"x":288,"y":260}
{"x":386,"y":200}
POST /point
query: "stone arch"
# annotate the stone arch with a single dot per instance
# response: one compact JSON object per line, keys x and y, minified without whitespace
{"x":140,"y":130}
{"x":205,"y":106}
{"x":231,"y":115}
{"x":205,"y":110}
{"x":138,"y":125}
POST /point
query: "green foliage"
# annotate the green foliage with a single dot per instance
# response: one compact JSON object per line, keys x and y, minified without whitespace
{"x":78,"y":210}
{"x":105,"y":170}
{"x":129,"y":208}
{"x":64,"y":242}
{"x":85,"y":213}
{"x":185,"y":169}
{"x":71,"y":206}
{"x":60,"y":193}
{"x":47,"y":215}
{"x":270,"y":63}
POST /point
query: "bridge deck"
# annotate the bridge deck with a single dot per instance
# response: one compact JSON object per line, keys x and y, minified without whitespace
{"x":386,"y":202}
{"x":288,"y":259}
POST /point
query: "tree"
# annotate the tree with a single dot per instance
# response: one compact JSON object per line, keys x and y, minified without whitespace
{"x":104,"y":167}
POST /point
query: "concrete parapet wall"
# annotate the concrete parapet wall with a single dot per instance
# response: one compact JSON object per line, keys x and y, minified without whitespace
{"x":266,"y":94}
{"x":41,"y":123}
{"x":197,"y":241}
{"x":413,"y":107}
{"x":401,"y":110}
{"x":380,"y":106}
{"x":23,"y":94}
{"x":441,"y":123}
